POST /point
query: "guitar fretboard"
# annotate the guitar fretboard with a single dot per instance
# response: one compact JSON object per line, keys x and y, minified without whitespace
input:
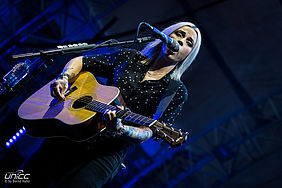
{"x":129,"y":116}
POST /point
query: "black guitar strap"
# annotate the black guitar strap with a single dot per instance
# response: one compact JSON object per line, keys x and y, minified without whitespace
{"x":166,"y":98}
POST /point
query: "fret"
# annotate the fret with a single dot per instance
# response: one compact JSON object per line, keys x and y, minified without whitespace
{"x":113,"y":108}
{"x":149,"y":121}
{"x":100,"y":107}
{"x":128,"y":118}
{"x":145,"y":121}
{"x":139,"y":119}
{"x":135,"y":118}
{"x":131,"y":117}
{"x":94,"y":107}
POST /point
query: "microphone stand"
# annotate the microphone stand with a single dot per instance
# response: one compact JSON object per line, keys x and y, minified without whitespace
{"x":79,"y":48}
{"x":45,"y":58}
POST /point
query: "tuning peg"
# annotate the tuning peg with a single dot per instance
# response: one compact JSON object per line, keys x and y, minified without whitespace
{"x":180,"y":132}
{"x":186,"y":136}
{"x":157,"y":130}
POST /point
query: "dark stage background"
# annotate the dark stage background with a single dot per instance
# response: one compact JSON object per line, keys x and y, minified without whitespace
{"x":234,"y":109}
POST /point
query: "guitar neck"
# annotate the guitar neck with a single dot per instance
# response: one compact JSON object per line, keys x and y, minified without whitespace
{"x":128,"y":116}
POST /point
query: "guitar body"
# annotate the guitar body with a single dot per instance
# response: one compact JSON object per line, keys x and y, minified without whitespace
{"x":44,"y":116}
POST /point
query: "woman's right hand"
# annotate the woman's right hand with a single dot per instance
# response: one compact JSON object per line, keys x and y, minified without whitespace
{"x":58,"y":89}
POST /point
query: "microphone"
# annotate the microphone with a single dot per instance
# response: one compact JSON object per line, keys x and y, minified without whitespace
{"x":171,"y":43}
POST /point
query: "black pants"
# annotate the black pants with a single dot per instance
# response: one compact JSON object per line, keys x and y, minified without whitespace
{"x":62,"y":163}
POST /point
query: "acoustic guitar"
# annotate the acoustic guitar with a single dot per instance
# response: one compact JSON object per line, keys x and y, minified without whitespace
{"x":79,"y":116}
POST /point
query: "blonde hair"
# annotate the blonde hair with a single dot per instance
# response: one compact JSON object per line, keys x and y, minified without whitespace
{"x":153,"y":49}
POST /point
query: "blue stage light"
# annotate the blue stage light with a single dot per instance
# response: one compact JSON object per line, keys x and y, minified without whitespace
{"x":15,"y":137}
{"x":8,"y":144}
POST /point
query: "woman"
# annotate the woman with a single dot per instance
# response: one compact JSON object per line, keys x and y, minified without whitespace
{"x":142,"y":78}
{"x":160,"y":59}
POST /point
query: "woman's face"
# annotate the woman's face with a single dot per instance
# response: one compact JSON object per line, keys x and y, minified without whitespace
{"x":186,"y":37}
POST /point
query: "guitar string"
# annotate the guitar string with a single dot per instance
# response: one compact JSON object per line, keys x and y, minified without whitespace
{"x":142,"y":119}
{"x":130,"y":117}
{"x":101,"y":107}
{"x":169,"y":134}
{"x":86,"y":101}
{"x":139,"y":118}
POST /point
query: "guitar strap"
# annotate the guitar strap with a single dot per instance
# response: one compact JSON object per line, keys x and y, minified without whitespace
{"x":166,"y":98}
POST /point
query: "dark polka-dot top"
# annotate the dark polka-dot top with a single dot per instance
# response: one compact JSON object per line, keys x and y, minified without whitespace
{"x":126,"y":69}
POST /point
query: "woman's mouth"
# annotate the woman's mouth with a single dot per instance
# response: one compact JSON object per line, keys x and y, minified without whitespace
{"x":170,"y":52}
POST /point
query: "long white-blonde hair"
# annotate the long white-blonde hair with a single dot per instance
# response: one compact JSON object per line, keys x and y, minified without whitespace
{"x":154,"y":48}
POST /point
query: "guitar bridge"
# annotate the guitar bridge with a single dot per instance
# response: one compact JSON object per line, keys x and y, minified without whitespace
{"x":54,"y":102}
{"x":70,"y":91}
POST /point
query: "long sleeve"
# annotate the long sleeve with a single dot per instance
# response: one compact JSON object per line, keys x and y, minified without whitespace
{"x":175,"y":106}
{"x":101,"y":64}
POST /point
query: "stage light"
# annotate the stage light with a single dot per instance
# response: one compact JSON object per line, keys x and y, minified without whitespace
{"x":15,"y":138}
{"x":8,"y":144}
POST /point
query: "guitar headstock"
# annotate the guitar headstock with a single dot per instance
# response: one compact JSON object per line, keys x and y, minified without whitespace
{"x":174,"y":137}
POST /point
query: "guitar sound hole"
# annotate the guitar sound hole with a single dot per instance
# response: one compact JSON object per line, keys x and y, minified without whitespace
{"x":82,"y":102}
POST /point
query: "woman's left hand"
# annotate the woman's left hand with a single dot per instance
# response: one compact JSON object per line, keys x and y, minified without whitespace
{"x":110,"y":120}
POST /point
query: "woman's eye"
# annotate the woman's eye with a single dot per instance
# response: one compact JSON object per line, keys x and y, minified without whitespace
{"x":178,"y":34}
{"x":190,"y":44}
